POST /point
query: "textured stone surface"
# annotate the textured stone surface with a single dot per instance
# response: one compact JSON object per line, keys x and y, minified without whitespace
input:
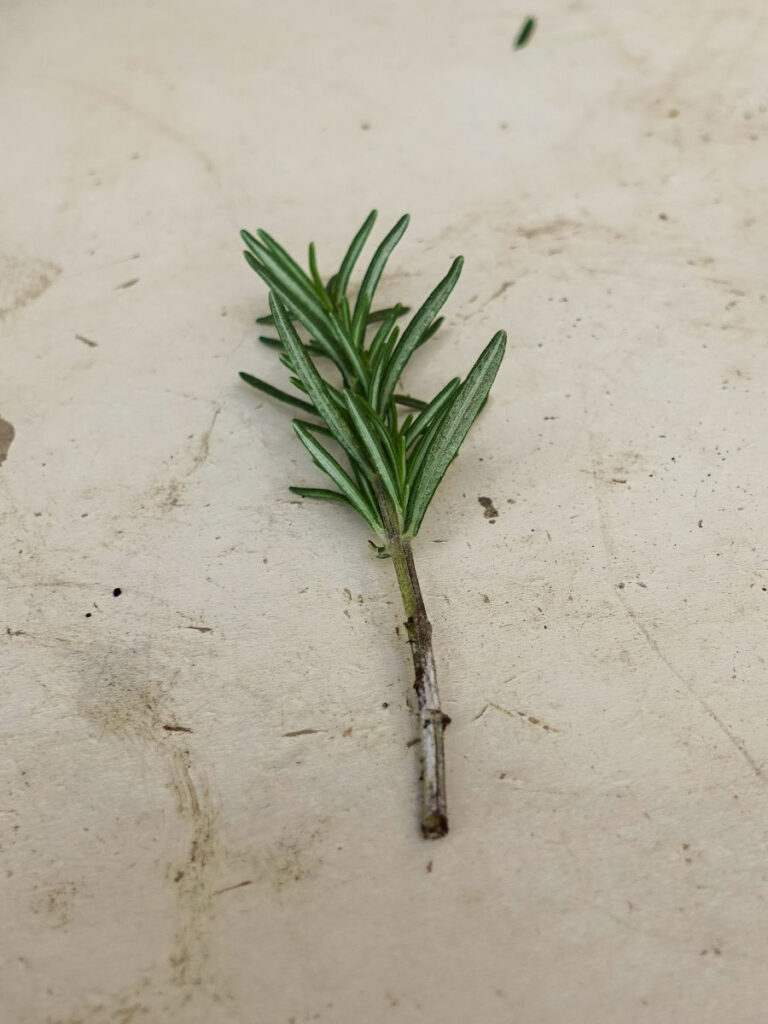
{"x":184,"y":765}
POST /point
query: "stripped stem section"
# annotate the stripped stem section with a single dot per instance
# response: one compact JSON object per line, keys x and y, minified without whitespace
{"x":432,"y":720}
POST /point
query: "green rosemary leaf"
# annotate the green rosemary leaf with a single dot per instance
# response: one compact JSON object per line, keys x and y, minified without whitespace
{"x":337,"y":397}
{"x":341,"y":279}
{"x":351,"y":349}
{"x":317,"y":389}
{"x":346,"y":316}
{"x":303,"y":304}
{"x":366,"y":431}
{"x":330,"y":466}
{"x":414,"y":332}
{"x":316,"y":279}
{"x":401,"y":460}
{"x":391,"y":414}
{"x":360,"y":322}
{"x":376,"y":268}
{"x":269,"y":319}
{"x":454,"y":426}
{"x":273,"y":392}
{"x":387,"y":439}
{"x":381,"y":336}
{"x":364,"y":485}
{"x":268,"y":252}
{"x":316,"y":428}
{"x":285,"y":359}
{"x":525,"y":34}
{"x":431,"y":411}
{"x":290,"y":264}
{"x":276,"y":343}
{"x":410,"y":403}
{"x":320,"y":492}
{"x":377,"y":315}
{"x":381,"y":362}
{"x":432,"y":329}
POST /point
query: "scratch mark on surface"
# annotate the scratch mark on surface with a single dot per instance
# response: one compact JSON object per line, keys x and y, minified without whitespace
{"x":550,"y":228}
{"x":127,"y":284}
{"x":86,"y":341}
{"x":500,"y":291}
{"x":160,"y":126}
{"x":170,"y":493}
{"x":648,"y":637}
{"x":49,"y":584}
{"x":301,"y":732}
{"x":229,"y":888}
{"x":530,"y":719}
{"x":205,"y":444}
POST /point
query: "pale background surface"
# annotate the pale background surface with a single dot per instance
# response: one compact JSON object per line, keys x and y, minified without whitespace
{"x":601,"y":645}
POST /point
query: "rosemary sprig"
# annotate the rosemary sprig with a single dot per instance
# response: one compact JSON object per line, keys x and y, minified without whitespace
{"x":393,"y":465}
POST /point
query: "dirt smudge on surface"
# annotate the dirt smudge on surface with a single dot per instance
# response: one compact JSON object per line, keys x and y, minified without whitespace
{"x":289,"y":861}
{"x":125,"y":699}
{"x":194,"y":891}
{"x":7,"y":434}
{"x":170,"y":492}
{"x":22,"y":281}
{"x":54,"y":904}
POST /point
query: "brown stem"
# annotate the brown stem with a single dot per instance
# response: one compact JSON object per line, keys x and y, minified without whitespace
{"x":432,"y":721}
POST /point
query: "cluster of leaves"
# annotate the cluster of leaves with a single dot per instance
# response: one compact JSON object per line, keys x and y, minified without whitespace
{"x":395,"y":465}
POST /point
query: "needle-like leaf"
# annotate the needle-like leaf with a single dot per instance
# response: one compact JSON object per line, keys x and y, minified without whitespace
{"x":323,"y":458}
{"x":375,"y":270}
{"x":454,"y":427}
{"x":341,"y":280}
{"x":366,"y":431}
{"x":273,"y":392}
{"x":410,"y":403}
{"x":276,"y":343}
{"x":320,"y":492}
{"x":297,"y":302}
{"x":431,"y":412}
{"x":317,"y":280}
{"x":377,"y":315}
{"x":312,"y":381}
{"x":414,"y":333}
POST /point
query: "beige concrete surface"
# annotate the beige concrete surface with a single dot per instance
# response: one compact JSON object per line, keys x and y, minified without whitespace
{"x":170,"y":853}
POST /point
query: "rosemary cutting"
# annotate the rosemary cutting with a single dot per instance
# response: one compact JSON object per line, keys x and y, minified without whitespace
{"x":396,"y":448}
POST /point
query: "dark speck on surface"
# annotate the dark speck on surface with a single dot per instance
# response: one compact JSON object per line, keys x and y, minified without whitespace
{"x":490,"y":509}
{"x":116,"y":592}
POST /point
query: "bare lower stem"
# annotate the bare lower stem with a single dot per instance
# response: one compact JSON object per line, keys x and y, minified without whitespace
{"x":432,"y":721}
